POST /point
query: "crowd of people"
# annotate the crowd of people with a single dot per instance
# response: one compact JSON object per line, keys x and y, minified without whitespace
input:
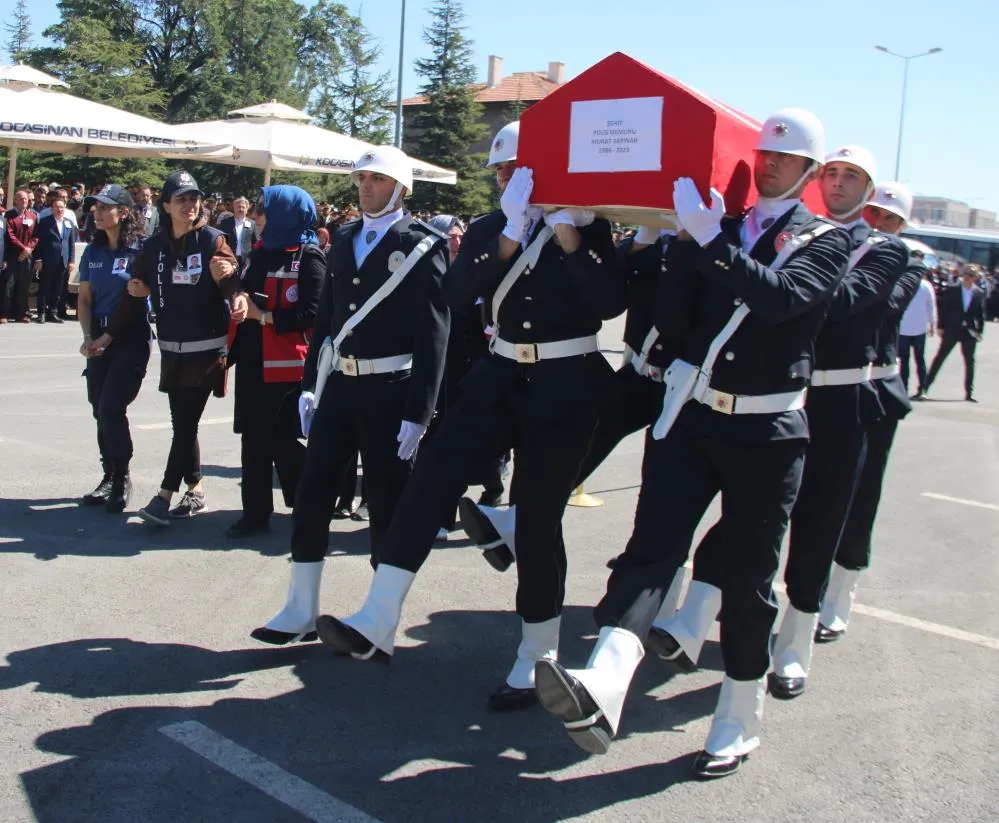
{"x":761,"y":360}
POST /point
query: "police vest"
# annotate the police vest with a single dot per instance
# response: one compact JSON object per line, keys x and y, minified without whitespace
{"x":191,"y":315}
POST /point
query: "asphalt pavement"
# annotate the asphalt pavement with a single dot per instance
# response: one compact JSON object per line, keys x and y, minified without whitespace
{"x":131,"y":691}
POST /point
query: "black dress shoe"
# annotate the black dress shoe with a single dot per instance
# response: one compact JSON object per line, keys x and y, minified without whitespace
{"x":100,"y":495}
{"x":478,"y":527}
{"x":662,"y":643}
{"x":121,"y":493}
{"x":348,"y":641}
{"x":970,"y":398}
{"x":564,"y":696}
{"x":276,"y":638}
{"x":491,"y":499}
{"x":53,"y":318}
{"x":341,"y":513}
{"x":785,"y":688}
{"x":243,"y":528}
{"x":614,"y":562}
{"x":709,"y":766}
{"x":508,"y":699}
{"x":824,"y":635}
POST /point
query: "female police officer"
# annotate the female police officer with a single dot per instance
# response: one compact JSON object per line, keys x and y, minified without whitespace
{"x":272,"y":317}
{"x":192,"y":323}
{"x":114,"y":368}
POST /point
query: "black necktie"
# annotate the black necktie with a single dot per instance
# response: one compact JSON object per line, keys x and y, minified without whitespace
{"x":766,"y":224}
{"x":369,"y":238}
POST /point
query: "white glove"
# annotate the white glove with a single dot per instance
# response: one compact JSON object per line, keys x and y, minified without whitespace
{"x":646,"y":236}
{"x":409,"y":438}
{"x":306,"y":409}
{"x":703,"y":223}
{"x":515,"y":201}
{"x":570,"y":217}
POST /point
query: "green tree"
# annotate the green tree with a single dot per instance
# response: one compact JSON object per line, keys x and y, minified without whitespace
{"x":444,"y":128}
{"x":18,"y":29}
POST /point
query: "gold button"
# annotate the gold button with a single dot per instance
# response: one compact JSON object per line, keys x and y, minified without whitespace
{"x":356,"y":281}
{"x":352,"y":307}
{"x":527,"y":324}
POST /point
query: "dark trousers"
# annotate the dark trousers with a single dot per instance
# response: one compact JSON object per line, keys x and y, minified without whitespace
{"x":632,"y":403}
{"x":6,"y":285}
{"x":681,"y":475}
{"x":855,"y":545}
{"x":20,"y":284}
{"x":113,"y":382}
{"x":187,"y":404}
{"x":546,"y":413}
{"x":355,"y":413}
{"x":50,"y":284}
{"x":968,"y":344}
{"x":917,"y":343}
{"x":269,"y":443}
{"x":833,"y":461}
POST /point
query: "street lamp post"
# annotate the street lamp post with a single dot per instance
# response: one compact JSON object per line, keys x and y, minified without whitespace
{"x":398,"y":90}
{"x":905,"y":81}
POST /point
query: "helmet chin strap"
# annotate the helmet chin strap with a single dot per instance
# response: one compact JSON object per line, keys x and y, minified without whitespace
{"x":797,"y":183}
{"x":839,"y":217}
{"x":391,"y":205}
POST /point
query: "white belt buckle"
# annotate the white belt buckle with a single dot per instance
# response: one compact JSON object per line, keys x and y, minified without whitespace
{"x":348,"y":365}
{"x":722,"y":402}
{"x":525,"y":353}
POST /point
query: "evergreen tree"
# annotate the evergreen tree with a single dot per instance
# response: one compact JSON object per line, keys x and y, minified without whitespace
{"x":449,"y":123}
{"x":19,"y":31}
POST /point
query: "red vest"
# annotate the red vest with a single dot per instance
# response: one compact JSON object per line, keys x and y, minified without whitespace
{"x":284,"y":354}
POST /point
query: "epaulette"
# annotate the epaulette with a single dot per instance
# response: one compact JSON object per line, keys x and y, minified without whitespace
{"x":428,"y":228}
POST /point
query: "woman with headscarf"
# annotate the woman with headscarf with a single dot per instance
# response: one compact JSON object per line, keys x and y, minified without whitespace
{"x":272,"y":315}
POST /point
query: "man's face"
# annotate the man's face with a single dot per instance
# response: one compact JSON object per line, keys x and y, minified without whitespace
{"x":968,"y":278}
{"x":775,"y":172}
{"x":142,"y":196}
{"x":454,"y":240}
{"x":883,"y":220}
{"x":58,"y":208}
{"x":374,"y":190}
{"x":843,"y":187}
{"x":504,"y":171}
{"x":239,"y":209}
{"x":22,"y":200}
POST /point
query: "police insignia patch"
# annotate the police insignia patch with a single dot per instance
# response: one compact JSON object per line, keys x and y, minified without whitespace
{"x":781,"y":130}
{"x":396,"y":259}
{"x":498,"y":144}
{"x":782,"y":240}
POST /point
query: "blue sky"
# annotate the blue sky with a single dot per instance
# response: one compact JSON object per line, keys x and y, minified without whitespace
{"x":762,"y":56}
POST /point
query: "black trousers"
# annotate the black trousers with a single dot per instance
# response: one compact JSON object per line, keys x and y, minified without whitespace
{"x":631,"y":404}
{"x":50,"y":283}
{"x":269,"y":442}
{"x":187,"y":404}
{"x":355,"y":413}
{"x":681,"y":475}
{"x":113,"y":382}
{"x":834,"y":459}
{"x":968,"y":344}
{"x":855,"y":545}
{"x":20,"y":284}
{"x":917,"y":344}
{"x":547,"y":413}
{"x":6,"y":285}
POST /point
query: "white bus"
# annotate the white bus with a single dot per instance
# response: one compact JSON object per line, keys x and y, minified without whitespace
{"x":979,"y":246}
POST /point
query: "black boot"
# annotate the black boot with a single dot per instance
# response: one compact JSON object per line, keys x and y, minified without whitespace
{"x":121,"y":491}
{"x":100,"y":495}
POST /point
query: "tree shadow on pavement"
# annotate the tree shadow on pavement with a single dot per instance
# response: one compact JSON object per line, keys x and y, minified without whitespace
{"x":408,"y":742}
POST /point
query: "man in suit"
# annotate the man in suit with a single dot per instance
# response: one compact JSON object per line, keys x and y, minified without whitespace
{"x":54,"y":257}
{"x":371,"y":377}
{"x":21,"y":242}
{"x":238,"y":229}
{"x":143,"y":197}
{"x":734,"y":424}
{"x":962,"y":320}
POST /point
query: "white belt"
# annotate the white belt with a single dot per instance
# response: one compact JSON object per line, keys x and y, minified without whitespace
{"x":641,"y":365}
{"x":352,"y":367}
{"x":193,"y":346}
{"x":881,"y":372}
{"x":726,"y":403}
{"x":533,"y":352}
{"x":841,"y":377}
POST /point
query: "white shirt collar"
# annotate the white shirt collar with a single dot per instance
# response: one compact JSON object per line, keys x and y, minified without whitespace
{"x":768,"y":207}
{"x":380,"y":224}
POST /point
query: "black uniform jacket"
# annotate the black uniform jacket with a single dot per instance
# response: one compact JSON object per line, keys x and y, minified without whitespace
{"x":641,"y":272}
{"x":891,"y":390}
{"x":413,"y":319}
{"x":772,"y":351}
{"x":954,"y":320}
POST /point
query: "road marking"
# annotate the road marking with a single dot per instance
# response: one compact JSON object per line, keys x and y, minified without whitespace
{"x":926,"y":626}
{"x":272,"y":780}
{"x":961,"y":500}
{"x":210,"y":422}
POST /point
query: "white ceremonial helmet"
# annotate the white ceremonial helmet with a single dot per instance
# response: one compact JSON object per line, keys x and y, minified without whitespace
{"x":504,"y":145}
{"x":387,"y":160}
{"x":794,"y":131}
{"x":857,"y":156}
{"x":893,"y":197}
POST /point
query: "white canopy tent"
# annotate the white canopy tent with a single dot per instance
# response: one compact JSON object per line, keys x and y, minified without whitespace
{"x":273,"y":136}
{"x":44,"y":120}
{"x":20,"y":74}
